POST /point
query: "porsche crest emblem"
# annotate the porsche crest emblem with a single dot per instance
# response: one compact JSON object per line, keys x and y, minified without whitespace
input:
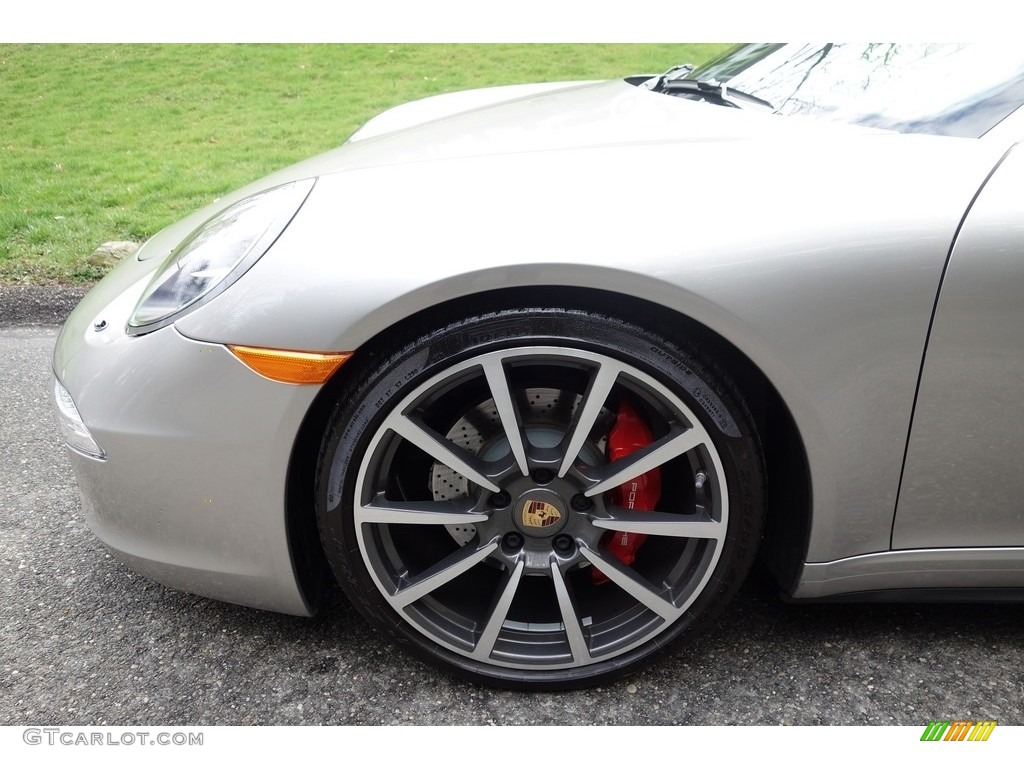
{"x":540,"y":514}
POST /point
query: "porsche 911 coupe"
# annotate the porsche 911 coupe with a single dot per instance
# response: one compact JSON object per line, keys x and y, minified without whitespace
{"x":536,"y":372}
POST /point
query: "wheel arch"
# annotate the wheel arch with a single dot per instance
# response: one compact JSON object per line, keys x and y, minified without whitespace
{"x":788,"y":481}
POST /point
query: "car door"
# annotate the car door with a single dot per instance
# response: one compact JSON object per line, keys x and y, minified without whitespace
{"x":963,"y":478}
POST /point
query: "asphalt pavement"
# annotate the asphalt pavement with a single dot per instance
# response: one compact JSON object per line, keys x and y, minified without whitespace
{"x":84,"y":641}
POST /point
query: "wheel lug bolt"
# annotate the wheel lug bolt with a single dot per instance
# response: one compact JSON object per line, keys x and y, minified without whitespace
{"x":563,"y":544}
{"x":543,"y":476}
{"x":500,"y":500}
{"x":581,"y":503}
{"x":512,"y":542}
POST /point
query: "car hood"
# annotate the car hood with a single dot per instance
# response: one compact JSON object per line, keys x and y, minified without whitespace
{"x":573,"y":116}
{"x":557,"y":117}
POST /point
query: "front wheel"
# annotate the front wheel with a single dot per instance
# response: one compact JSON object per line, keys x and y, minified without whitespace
{"x":538,"y":498}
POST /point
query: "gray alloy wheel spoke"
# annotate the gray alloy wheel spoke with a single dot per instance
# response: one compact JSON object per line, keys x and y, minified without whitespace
{"x":455,"y":512}
{"x":440,"y":449}
{"x":698,"y":526}
{"x":600,"y":386}
{"x":451,"y":567}
{"x":626,"y":578}
{"x":497,"y":380}
{"x":489,"y":636}
{"x":570,"y":619}
{"x":644,"y":460}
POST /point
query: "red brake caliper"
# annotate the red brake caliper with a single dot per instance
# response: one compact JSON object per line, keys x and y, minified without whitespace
{"x":629,"y":434}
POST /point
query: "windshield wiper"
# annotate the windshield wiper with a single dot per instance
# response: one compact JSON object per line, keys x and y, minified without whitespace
{"x":656,"y":83}
{"x":713,"y":90}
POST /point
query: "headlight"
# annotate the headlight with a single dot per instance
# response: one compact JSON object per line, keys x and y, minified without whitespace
{"x":76,"y":434}
{"x":216,"y":254}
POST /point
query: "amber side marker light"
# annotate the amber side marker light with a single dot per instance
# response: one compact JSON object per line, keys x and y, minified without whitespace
{"x":291,"y":367}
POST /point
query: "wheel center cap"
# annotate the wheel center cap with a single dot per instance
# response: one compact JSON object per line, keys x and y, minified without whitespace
{"x":540,"y":513}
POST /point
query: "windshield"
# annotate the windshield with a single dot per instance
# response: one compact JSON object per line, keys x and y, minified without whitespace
{"x":946,"y":89}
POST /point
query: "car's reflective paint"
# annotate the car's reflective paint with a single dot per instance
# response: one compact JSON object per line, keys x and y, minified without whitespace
{"x":814,"y":282}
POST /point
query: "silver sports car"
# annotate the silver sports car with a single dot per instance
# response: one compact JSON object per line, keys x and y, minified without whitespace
{"x":535,"y":372}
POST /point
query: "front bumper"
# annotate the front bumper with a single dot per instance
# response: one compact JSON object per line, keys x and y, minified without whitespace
{"x":192,"y":490}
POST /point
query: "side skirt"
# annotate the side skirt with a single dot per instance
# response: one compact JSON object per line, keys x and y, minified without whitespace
{"x":955,"y":572}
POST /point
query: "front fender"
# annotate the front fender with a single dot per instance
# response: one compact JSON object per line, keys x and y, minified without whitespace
{"x":821,"y":268}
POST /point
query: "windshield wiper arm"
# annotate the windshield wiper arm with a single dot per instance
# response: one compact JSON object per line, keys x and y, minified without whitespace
{"x":657,"y":83}
{"x":714,"y":90}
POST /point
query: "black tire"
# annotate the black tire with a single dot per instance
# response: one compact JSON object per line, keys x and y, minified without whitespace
{"x":488,"y":571}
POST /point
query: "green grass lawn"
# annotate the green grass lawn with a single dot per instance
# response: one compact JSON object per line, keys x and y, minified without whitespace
{"x":113,"y":142}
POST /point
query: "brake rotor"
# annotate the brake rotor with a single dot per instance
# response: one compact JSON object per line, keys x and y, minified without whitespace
{"x":480,"y":433}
